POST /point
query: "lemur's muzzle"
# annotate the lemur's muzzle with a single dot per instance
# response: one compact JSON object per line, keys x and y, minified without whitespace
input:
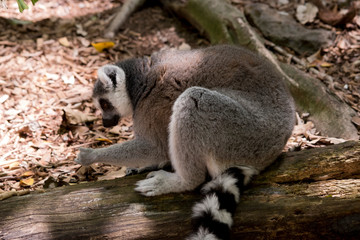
{"x":110,"y":122}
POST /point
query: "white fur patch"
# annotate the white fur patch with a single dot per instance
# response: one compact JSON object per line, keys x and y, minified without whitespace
{"x":121,"y":101}
{"x":225,"y":182}
{"x":119,"y":96}
{"x":211,"y":204}
{"x":212,"y":166}
{"x":104,"y":71}
{"x":159,"y":182}
{"x":249,"y":172}
{"x":203,"y":234}
{"x":173,"y":140}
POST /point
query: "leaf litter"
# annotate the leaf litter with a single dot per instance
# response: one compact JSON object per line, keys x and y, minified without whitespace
{"x":47,"y":69}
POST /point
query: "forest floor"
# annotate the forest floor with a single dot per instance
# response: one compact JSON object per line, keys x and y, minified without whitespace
{"x":48,"y":67}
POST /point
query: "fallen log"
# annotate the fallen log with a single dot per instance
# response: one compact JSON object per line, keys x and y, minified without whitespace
{"x":312,"y":194}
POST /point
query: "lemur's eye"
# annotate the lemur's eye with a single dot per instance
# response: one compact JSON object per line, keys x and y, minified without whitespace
{"x":105,"y":105}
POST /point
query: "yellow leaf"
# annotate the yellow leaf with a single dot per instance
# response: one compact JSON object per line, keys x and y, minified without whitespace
{"x":27,"y":182}
{"x":100,"y":46}
{"x":64,"y":41}
{"x":326,"y":64}
{"x":28,"y":174}
{"x":14,"y":165}
{"x":103,"y":140}
{"x":320,"y":63}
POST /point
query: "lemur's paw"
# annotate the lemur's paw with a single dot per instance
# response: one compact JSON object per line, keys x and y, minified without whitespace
{"x":86,"y":157}
{"x":159,"y":182}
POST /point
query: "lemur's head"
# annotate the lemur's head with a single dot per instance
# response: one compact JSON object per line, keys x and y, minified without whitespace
{"x":110,"y":95}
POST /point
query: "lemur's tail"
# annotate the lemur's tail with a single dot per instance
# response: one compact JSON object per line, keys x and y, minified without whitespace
{"x":213,"y":216}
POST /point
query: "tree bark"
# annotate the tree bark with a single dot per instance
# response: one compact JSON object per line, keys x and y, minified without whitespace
{"x":312,"y":194}
{"x":223,"y":23}
{"x":126,"y":10}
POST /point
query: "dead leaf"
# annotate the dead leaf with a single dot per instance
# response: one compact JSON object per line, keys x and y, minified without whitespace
{"x":306,"y":13}
{"x":84,"y":41}
{"x":326,"y":64}
{"x":343,"y":43}
{"x":320,"y":63}
{"x":80,"y":30}
{"x":116,"y":130}
{"x":85,"y":173}
{"x":301,"y":129}
{"x":113,"y":174}
{"x":78,"y":94}
{"x":335,"y":18}
{"x":14,"y":165}
{"x":52,"y":76}
{"x":68,"y":79}
{"x":64,"y":41}
{"x":81,"y":130}
{"x":100,"y":46}
{"x":45,"y":159}
{"x":103,"y":140}
{"x":316,"y":56}
{"x":39,"y":43}
{"x":28,"y":174}
{"x":3,"y":98}
{"x":27,"y":182}
{"x":24,"y":131}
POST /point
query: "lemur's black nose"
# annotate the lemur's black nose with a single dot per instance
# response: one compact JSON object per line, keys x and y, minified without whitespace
{"x":110,"y":122}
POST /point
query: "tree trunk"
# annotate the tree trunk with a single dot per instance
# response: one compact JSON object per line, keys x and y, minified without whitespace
{"x":126,"y":10}
{"x":312,"y":194}
{"x":223,"y":23}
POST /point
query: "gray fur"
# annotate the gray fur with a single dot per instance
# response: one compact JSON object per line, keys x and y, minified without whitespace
{"x":204,"y":110}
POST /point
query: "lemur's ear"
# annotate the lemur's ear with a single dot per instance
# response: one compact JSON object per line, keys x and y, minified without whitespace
{"x":111,"y":76}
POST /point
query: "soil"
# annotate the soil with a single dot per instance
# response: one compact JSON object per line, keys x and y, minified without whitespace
{"x":48,"y":67}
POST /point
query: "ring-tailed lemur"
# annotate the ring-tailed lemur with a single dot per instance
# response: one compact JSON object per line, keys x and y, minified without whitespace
{"x":221,"y":111}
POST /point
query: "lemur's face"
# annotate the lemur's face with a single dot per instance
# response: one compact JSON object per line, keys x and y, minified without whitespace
{"x":110,"y":95}
{"x":110,"y":115}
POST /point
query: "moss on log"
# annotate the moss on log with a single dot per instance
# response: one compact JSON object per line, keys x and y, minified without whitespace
{"x":312,"y":194}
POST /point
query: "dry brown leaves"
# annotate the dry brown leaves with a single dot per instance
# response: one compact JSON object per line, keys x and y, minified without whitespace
{"x":305,"y":136}
{"x":46,"y":73}
{"x":341,"y":60}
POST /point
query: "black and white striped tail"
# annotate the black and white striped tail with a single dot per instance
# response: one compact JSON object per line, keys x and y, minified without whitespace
{"x":213,"y":216}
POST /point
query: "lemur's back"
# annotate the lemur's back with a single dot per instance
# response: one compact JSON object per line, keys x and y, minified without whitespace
{"x":268,"y":111}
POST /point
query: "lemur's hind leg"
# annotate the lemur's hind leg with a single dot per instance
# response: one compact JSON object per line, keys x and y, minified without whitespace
{"x":196,"y":119}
